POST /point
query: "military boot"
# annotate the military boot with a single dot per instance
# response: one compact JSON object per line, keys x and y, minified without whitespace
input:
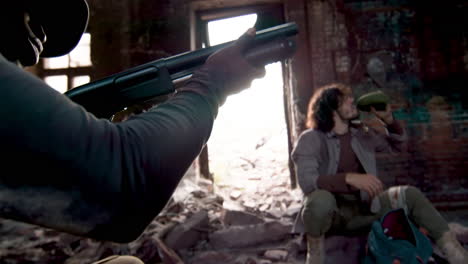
{"x":315,"y":250}
{"x":453,"y":251}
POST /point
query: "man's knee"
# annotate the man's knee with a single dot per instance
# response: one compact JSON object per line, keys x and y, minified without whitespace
{"x":317,"y":215}
{"x":402,"y":196}
{"x":320,"y":202}
{"x":413,"y":193}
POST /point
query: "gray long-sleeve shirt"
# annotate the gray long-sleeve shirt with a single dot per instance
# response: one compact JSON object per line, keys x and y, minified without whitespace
{"x":316,"y":154}
{"x":63,"y":168}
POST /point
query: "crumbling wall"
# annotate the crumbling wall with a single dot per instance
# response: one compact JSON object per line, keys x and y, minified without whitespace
{"x":128,"y":33}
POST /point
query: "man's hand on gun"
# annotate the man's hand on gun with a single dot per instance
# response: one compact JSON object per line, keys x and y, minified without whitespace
{"x":216,"y":72}
{"x":227,"y":71}
{"x":230,"y":66}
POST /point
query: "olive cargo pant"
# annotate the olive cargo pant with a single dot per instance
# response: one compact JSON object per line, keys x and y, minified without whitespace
{"x":324,"y":212}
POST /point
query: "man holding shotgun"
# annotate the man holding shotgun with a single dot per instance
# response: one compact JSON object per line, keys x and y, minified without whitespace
{"x":65,"y":169}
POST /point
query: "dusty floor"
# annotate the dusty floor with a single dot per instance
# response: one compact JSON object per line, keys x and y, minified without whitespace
{"x":196,"y":205}
{"x":246,"y":217}
{"x":201,"y":225}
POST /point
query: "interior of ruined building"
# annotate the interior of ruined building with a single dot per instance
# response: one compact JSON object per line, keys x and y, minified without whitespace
{"x":238,"y":201}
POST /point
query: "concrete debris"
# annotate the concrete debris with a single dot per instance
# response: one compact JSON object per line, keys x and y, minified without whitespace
{"x":213,"y":257}
{"x":264,"y":207}
{"x":231,"y":218}
{"x":293,"y":210}
{"x":250,"y":235}
{"x":249,"y":204}
{"x":203,"y":223}
{"x":188,"y":233}
{"x":235,"y":194}
{"x":205,"y":184}
{"x":276,"y":254}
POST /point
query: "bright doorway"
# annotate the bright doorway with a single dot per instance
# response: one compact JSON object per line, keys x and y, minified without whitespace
{"x":248,"y":143}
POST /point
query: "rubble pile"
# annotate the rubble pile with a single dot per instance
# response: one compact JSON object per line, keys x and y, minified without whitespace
{"x":199,"y":225}
{"x":203,"y":223}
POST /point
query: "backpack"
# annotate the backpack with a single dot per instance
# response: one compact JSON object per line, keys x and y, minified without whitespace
{"x":394,"y":237}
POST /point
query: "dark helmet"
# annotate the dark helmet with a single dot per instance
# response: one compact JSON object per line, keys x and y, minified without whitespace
{"x":64,"y":22}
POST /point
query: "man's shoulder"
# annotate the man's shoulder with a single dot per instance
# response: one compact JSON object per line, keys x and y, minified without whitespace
{"x":312,"y":132}
{"x":309,"y":139}
{"x":312,"y":135}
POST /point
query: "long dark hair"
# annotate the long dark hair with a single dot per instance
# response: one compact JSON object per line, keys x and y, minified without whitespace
{"x":322,"y":104}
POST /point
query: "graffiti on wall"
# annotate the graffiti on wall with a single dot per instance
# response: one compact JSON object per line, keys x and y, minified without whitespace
{"x":422,"y":68}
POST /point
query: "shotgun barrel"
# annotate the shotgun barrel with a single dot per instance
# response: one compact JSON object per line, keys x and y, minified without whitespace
{"x":109,"y":95}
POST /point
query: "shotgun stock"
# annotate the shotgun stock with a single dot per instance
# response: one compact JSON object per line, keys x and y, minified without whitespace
{"x":109,"y":95}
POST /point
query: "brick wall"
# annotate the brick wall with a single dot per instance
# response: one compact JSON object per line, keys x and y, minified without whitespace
{"x":417,"y":53}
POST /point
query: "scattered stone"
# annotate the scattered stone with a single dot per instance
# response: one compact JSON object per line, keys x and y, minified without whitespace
{"x":232,"y":218}
{"x":235,"y":194}
{"x":249,"y":204}
{"x":231,"y":205}
{"x":213,"y":200}
{"x":264,"y":207}
{"x":275,"y":213}
{"x":293,"y":209}
{"x":244,"y":236}
{"x":277,"y":191}
{"x":201,"y":227}
{"x":276,"y":254}
{"x":187,"y":234}
{"x":205,"y":184}
{"x":199,"y":194}
{"x":213,"y":257}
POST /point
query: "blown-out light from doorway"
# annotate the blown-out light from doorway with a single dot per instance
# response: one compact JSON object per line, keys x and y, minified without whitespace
{"x":249,"y":138}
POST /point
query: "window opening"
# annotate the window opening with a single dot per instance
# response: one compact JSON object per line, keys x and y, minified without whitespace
{"x":58,"y":82}
{"x":71,"y":70}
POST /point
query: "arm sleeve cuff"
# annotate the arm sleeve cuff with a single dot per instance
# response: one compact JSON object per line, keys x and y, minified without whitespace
{"x":333,"y":183}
